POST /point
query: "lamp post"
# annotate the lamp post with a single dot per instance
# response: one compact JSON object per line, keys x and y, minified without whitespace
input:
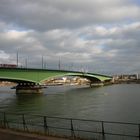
{"x":59,"y":64}
{"x":45,"y":65}
{"x":42,"y":62}
{"x":17,"y":59}
{"x":25,"y":62}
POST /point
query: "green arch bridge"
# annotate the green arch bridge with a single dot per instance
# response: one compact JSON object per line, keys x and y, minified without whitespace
{"x":38,"y":76}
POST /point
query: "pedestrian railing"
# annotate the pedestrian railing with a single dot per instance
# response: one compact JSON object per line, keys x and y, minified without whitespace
{"x":67,"y":127}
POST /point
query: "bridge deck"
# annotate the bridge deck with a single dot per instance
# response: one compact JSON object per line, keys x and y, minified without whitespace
{"x":39,"y":75}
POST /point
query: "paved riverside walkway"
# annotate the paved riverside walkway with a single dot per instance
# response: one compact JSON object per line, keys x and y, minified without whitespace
{"x":6,"y":134}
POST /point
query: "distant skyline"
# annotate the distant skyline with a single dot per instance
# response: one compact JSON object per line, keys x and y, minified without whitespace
{"x":100,"y":36}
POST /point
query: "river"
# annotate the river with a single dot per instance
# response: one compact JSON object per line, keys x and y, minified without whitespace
{"x":109,"y":103}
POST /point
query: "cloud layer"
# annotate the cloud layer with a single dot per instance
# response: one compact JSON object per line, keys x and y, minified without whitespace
{"x":99,"y":36}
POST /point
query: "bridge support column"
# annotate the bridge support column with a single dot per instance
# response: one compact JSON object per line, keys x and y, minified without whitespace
{"x":27,"y":88}
{"x":96,"y":84}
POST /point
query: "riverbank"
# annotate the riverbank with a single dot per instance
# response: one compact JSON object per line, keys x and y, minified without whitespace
{"x":5,"y":83}
{"x":135,"y":81}
{"x":8,"y":134}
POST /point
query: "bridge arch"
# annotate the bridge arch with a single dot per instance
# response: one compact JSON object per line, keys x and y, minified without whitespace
{"x":17,"y":80}
{"x":33,"y":78}
{"x":90,"y":78}
{"x":37,"y":76}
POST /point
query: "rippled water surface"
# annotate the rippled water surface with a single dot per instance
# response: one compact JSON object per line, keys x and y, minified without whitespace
{"x":111,"y":103}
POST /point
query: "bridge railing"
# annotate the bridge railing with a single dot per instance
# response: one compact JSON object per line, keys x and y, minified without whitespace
{"x":67,"y":127}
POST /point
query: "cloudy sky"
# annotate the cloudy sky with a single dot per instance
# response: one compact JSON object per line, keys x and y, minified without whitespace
{"x":100,"y":36}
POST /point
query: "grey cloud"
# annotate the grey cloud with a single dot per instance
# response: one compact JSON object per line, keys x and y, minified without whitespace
{"x":46,"y":14}
{"x":101,"y":36}
{"x":72,"y":48}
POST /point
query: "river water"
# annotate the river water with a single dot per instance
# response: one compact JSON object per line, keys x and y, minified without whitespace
{"x":109,"y":103}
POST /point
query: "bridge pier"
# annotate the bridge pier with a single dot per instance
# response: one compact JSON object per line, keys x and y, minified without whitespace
{"x":97,"y":84}
{"x":28,"y":88}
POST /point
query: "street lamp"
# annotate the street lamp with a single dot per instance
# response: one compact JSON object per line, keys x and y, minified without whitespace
{"x":42,"y":62}
{"x":17,"y":59}
{"x":25,"y":62}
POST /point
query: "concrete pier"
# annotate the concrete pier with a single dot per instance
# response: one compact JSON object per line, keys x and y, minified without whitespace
{"x":28,"y":88}
{"x":96,"y":84}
